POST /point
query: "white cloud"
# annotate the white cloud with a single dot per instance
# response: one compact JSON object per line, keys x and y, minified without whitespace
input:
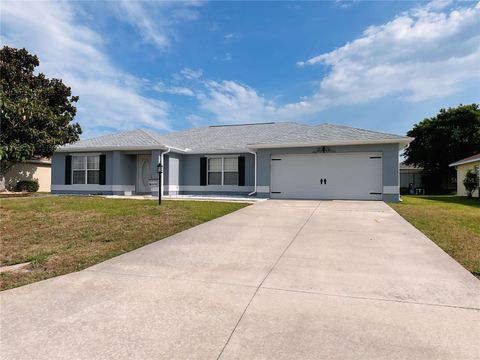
{"x":231,"y":36}
{"x":232,"y":102}
{"x":175,"y":90}
{"x":429,"y":52}
{"x":420,"y":55}
{"x":195,"y":120}
{"x":345,"y":3}
{"x":191,"y":74}
{"x":434,"y":5}
{"x":153,"y":20}
{"x":226,"y":57}
{"x":69,"y":50}
{"x":136,"y":15}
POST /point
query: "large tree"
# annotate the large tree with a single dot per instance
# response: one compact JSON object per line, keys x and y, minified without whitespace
{"x":36,"y":112}
{"x":451,"y":135}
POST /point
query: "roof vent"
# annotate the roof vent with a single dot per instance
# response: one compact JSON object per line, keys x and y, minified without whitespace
{"x":265,"y":123}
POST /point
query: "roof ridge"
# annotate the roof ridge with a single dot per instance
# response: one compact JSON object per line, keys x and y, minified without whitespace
{"x":150,"y":135}
{"x":357,"y":128}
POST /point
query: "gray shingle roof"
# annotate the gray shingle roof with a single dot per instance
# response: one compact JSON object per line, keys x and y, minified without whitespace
{"x":135,"y":138}
{"x":234,"y":137}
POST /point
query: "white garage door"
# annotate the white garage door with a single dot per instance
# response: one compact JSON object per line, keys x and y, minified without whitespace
{"x":327,"y":176}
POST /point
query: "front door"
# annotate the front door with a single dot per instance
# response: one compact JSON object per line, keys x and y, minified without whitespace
{"x":143,"y":174}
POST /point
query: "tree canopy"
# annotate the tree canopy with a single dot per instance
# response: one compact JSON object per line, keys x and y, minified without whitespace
{"x":36,"y":112}
{"x":451,"y":135}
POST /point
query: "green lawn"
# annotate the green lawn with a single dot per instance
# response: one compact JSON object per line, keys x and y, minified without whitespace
{"x":59,"y":235}
{"x":452,"y":222}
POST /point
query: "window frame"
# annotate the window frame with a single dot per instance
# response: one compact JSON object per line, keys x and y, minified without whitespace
{"x":222,"y":171}
{"x":85,"y":169}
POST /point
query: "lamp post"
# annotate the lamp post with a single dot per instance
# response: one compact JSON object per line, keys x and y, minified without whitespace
{"x":160,"y":171}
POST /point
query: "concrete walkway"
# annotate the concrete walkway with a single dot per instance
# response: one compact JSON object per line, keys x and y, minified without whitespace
{"x":275,"y":280}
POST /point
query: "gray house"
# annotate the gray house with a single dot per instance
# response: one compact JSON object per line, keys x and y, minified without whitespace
{"x":276,"y":160}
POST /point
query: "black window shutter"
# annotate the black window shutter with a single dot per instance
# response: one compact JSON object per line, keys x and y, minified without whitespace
{"x":241,"y":171}
{"x":68,"y":170}
{"x":103,"y":162}
{"x":203,"y":171}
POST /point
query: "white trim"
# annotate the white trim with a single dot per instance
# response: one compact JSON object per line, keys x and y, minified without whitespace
{"x":208,"y":188}
{"x":39,"y":161}
{"x":350,"y":153}
{"x":255,"y":171}
{"x":228,"y":155}
{"x":405,"y":140}
{"x":226,"y":188}
{"x":166,"y":188}
{"x":93,"y":187}
{"x":118,"y":148}
{"x":463,"y":162}
{"x":391,"y":189}
{"x":85,"y":154}
{"x":263,"y":189}
{"x":162,"y":162}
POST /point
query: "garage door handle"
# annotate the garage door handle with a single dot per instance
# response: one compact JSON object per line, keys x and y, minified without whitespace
{"x":325,"y":181}
{"x":321,"y":181}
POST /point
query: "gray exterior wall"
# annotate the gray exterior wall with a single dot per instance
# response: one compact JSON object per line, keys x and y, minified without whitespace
{"x":156,"y":156}
{"x":190,"y":168}
{"x":190,"y":176}
{"x":123,"y":169}
{"x":390,"y":164}
{"x":182,"y":172}
{"x":171,"y":177}
{"x":120,"y":169}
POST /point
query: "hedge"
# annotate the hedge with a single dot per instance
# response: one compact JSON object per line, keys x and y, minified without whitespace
{"x":27,"y":185}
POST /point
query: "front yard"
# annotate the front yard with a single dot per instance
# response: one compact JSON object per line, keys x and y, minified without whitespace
{"x":452,"y":222}
{"x":58,"y":235}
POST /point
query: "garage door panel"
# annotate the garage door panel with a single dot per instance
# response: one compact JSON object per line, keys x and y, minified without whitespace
{"x":347,"y":176}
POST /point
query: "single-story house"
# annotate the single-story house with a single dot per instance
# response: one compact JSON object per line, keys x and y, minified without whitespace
{"x":410,"y":174}
{"x":33,"y":169}
{"x":462,"y":166}
{"x":276,"y":160}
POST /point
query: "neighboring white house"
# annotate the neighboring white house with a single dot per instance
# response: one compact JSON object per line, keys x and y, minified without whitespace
{"x":462,"y":166}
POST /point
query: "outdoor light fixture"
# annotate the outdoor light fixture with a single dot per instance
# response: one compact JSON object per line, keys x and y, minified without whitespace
{"x":160,"y":171}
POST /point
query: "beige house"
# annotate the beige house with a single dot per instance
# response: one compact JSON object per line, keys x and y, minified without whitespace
{"x":30,"y":170}
{"x":471,"y":162}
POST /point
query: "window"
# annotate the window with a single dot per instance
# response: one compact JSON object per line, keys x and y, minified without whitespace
{"x":222,"y":171}
{"x":215,"y":171}
{"x":86,"y":169}
{"x":230,"y":171}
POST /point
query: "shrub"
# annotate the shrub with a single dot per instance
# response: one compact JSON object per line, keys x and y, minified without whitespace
{"x":470,"y":181}
{"x":27,"y":185}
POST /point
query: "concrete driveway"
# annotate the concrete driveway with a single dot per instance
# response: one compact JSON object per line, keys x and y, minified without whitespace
{"x":275,"y":280}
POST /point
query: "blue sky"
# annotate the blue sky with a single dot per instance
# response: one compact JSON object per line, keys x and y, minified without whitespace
{"x":169,"y":66}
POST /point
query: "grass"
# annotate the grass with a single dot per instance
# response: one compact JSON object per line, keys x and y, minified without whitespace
{"x":452,"y":222}
{"x":59,"y":235}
